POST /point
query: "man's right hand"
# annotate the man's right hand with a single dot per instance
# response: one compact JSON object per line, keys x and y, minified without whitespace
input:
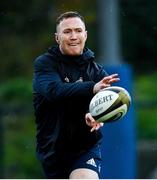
{"x":105,"y":82}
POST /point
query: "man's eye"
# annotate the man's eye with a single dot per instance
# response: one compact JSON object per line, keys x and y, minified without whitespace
{"x":79,"y":30}
{"x":66,"y":32}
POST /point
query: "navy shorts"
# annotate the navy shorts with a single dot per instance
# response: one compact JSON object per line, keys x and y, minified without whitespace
{"x":91,"y":159}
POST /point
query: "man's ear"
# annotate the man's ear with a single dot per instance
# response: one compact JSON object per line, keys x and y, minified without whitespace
{"x":56,"y":38}
{"x":86,"y":35}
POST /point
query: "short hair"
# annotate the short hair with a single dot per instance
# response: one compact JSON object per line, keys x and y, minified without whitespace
{"x":69,"y":14}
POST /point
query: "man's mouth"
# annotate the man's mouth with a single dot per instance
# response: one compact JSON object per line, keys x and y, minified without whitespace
{"x":72,"y":44}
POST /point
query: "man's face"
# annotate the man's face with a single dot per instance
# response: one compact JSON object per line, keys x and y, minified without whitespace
{"x":71,"y":36}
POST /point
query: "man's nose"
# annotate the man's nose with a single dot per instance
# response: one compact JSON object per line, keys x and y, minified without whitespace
{"x":73,"y":35}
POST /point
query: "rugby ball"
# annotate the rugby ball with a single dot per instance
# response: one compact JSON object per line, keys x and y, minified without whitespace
{"x":110,"y":104}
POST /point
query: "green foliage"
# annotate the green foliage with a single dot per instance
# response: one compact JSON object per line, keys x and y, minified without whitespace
{"x":147,"y":122}
{"x":16,"y":91}
{"x":146,"y":106}
{"x":18,"y":123}
{"x":20,"y":159}
{"x":146,"y":87}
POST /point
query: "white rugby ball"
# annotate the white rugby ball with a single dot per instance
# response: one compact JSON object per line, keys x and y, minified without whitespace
{"x":110,"y":104}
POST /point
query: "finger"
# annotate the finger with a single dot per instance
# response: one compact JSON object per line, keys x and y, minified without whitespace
{"x":90,"y":121}
{"x":91,"y":118}
{"x":93,"y":128}
{"x":113,"y":80}
{"x":114,"y":75}
{"x":107,"y":78}
{"x":96,"y":126}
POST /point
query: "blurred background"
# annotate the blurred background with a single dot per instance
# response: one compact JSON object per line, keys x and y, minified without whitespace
{"x":27,"y":30}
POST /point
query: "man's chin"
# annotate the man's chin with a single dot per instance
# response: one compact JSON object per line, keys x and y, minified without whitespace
{"x":72,"y":51}
{"x":75,"y":53}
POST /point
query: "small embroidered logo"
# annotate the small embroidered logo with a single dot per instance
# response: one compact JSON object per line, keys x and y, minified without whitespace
{"x":91,"y":162}
{"x":66,"y":79}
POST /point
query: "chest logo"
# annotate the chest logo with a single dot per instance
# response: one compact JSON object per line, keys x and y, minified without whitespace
{"x":66,"y":79}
